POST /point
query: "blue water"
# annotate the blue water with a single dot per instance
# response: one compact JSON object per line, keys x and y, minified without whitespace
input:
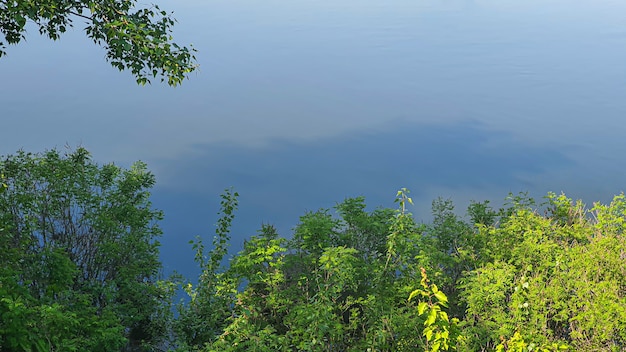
{"x":299,"y":104}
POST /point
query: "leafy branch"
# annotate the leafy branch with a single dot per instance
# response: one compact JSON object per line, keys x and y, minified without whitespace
{"x":440,"y":331}
{"x":136,"y":39}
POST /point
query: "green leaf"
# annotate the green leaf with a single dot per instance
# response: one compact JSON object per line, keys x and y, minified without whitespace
{"x":441,"y":297}
{"x":429,"y":334}
{"x":436,"y":346}
{"x":444,"y":316}
{"x":432,"y":317}
{"x":421,"y":308}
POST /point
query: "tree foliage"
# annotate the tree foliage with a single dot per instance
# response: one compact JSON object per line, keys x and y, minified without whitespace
{"x":79,"y":264}
{"x":550,"y":282}
{"x":79,"y":272}
{"x":339,"y":284}
{"x":525,"y":277}
{"x":135,"y":38}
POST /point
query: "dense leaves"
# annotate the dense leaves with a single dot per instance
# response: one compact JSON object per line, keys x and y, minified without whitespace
{"x":79,"y":272}
{"x":136,"y":39}
{"x":339,"y":284}
{"x":521,"y":278}
{"x":79,"y":262}
{"x":550,"y":282}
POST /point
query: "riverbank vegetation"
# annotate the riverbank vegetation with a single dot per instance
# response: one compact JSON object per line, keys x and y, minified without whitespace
{"x":79,"y":271}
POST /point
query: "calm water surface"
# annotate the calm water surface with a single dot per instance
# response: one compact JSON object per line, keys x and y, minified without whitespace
{"x":299,"y":104}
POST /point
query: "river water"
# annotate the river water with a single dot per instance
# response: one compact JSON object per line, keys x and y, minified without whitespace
{"x":299,"y":104}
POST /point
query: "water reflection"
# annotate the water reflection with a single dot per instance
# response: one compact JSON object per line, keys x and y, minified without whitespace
{"x":301,"y":103}
{"x":282,"y":180}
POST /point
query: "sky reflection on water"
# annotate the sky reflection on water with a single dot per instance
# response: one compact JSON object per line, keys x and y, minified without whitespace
{"x":281,"y":181}
{"x":299,"y":104}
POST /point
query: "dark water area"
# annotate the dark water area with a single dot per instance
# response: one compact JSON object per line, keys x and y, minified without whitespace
{"x":299,"y":104}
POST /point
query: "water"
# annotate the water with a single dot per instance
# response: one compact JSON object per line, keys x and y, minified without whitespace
{"x":299,"y":104}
